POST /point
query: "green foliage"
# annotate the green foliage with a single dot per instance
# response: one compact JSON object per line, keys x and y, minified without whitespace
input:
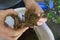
{"x":54,"y":13}
{"x":50,"y":15}
{"x":57,"y":20}
{"x":57,"y":7}
{"x":57,"y":2}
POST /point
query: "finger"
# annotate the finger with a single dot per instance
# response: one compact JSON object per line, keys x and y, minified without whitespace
{"x":41,"y":21}
{"x":7,"y":13}
{"x":10,"y":12}
{"x":38,"y":10}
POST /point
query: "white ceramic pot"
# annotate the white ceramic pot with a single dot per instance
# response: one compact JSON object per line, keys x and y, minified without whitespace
{"x":43,"y":32}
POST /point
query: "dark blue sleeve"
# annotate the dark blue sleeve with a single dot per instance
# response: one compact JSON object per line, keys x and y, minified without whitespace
{"x":21,"y":4}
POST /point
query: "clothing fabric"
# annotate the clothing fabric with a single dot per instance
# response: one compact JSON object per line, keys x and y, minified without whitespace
{"x":5,"y":4}
{"x":20,"y":4}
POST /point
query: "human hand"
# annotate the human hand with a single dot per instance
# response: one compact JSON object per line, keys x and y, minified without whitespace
{"x":37,"y":9}
{"x":5,"y":31}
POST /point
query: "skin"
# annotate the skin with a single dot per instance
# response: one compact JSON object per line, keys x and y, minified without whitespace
{"x":9,"y":34}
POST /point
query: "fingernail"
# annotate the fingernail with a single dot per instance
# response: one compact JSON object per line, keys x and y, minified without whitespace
{"x":39,"y":23}
{"x":38,"y":14}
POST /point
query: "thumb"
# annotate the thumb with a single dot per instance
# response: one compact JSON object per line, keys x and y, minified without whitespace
{"x":10,"y":12}
{"x":7,"y":13}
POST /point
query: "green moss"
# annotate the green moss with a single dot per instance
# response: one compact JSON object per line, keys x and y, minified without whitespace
{"x":30,"y":20}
